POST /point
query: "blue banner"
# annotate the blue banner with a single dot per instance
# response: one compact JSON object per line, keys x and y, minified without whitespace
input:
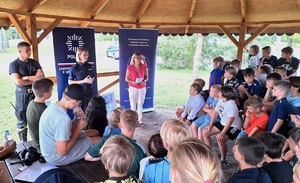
{"x":144,"y":41}
{"x":66,"y":41}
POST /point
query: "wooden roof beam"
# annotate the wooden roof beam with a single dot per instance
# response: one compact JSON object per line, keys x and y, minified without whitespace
{"x":95,"y":11}
{"x":14,"y":19}
{"x":298,"y":1}
{"x":260,"y":30}
{"x":241,"y":43}
{"x":34,"y":5}
{"x":229,"y":35}
{"x":142,"y":10}
{"x":243,"y":10}
{"x":191,"y":12}
{"x":49,"y":29}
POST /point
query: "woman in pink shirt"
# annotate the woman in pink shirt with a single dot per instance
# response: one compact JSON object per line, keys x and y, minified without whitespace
{"x":137,"y":76}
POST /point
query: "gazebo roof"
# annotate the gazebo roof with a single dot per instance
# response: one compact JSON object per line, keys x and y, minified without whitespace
{"x":169,"y":16}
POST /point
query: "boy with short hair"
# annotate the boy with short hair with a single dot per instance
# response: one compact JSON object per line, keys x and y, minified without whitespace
{"x":279,"y":170}
{"x":192,"y":110}
{"x":42,"y":89}
{"x":128,"y":123}
{"x":118,"y":164}
{"x":267,"y":58}
{"x":217,"y":73}
{"x":256,"y":120}
{"x":278,"y":118}
{"x":248,"y":152}
{"x":172,"y":132}
{"x":281,"y":70}
{"x":268,"y":99}
{"x":288,"y":61}
{"x":240,"y":74}
{"x":230,"y":73}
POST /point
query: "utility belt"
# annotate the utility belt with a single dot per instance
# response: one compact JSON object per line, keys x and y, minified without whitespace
{"x":24,"y":89}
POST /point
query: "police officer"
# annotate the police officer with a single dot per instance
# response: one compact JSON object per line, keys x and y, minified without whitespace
{"x":83,"y":73}
{"x":24,"y":71}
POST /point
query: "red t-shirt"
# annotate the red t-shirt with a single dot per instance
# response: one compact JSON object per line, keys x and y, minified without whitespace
{"x":134,"y":74}
{"x":259,"y":122}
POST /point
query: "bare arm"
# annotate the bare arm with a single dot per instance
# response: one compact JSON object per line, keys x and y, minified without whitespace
{"x":88,"y":80}
{"x":4,"y":150}
{"x":87,"y":157}
{"x":253,"y":131}
{"x":277,"y":125}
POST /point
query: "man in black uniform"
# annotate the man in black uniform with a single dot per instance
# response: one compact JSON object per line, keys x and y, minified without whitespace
{"x":24,"y":71}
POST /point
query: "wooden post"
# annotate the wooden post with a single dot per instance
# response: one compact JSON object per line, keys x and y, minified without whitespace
{"x":32,"y":32}
{"x":241,"y":43}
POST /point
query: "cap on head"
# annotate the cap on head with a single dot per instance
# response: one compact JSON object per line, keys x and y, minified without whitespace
{"x":74,"y":91}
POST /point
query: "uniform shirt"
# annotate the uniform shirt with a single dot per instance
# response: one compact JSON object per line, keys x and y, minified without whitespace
{"x":234,"y":83}
{"x":126,"y":179}
{"x":80,"y":71}
{"x":228,"y":109}
{"x":216,"y":76}
{"x":250,"y":175}
{"x":279,"y":111}
{"x":140,"y":152}
{"x":254,"y":89}
{"x":195,"y":103}
{"x":28,"y":68}
{"x":279,"y":172}
{"x":157,"y":171}
{"x":289,"y":66}
{"x":272,"y":61}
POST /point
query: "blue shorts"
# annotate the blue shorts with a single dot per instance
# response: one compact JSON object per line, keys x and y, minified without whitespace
{"x":242,"y":134}
{"x":202,"y":121}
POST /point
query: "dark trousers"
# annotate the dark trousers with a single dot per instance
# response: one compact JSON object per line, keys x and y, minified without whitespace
{"x":22,"y":100}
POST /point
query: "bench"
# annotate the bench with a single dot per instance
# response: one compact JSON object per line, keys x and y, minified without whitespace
{"x":84,"y":170}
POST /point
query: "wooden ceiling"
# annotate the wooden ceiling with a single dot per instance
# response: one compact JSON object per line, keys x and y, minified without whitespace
{"x":169,"y":16}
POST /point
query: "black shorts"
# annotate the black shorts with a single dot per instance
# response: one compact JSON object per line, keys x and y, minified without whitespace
{"x":232,"y":132}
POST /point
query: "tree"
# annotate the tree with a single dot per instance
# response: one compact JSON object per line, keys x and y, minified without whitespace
{"x":197,"y":56}
{"x":2,"y":47}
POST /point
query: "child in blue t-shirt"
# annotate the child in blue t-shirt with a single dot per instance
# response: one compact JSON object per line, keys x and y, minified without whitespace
{"x":278,"y":122}
{"x":217,"y":73}
{"x":203,"y":121}
{"x":113,"y":122}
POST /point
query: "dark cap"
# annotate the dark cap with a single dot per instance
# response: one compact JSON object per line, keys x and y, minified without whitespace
{"x":295,"y":111}
{"x":74,"y":91}
{"x":57,"y":175}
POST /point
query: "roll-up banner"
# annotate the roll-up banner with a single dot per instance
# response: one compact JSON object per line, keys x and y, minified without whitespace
{"x":145,"y":42}
{"x":66,"y":41}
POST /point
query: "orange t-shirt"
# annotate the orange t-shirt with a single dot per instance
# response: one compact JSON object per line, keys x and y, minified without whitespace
{"x":259,"y":122}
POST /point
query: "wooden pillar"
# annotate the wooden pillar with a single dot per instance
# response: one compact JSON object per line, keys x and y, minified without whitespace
{"x":241,"y":43}
{"x":32,"y":32}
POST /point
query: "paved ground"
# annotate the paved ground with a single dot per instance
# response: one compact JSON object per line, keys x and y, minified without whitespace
{"x":154,"y":120}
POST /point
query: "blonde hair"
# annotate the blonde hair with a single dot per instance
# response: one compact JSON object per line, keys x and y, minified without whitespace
{"x":114,"y":117}
{"x":173,"y":131}
{"x":121,"y":161}
{"x":135,"y":54}
{"x":194,"y":161}
{"x":129,"y":119}
{"x":79,"y":51}
{"x":296,"y":170}
{"x":216,"y":87}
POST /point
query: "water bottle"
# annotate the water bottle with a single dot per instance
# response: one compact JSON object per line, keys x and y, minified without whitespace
{"x":8,"y":137}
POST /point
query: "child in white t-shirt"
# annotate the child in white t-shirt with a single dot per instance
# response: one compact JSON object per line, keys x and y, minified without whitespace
{"x":254,"y":58}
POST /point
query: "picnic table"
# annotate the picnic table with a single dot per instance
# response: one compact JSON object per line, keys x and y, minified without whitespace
{"x":84,"y":170}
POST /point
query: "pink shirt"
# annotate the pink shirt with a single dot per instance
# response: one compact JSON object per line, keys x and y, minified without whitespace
{"x":134,"y":73}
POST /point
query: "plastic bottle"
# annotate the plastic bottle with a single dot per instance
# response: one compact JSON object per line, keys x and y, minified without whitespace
{"x":8,"y":137}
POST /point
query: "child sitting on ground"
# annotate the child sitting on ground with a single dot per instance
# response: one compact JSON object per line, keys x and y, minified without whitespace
{"x":42,"y":89}
{"x":113,"y":122}
{"x":279,"y":170}
{"x":256,"y":120}
{"x":278,"y":121}
{"x":268,"y":99}
{"x":172,"y":132}
{"x":229,"y":125}
{"x":194,"y":105}
{"x":157,"y":151}
{"x":193,"y":161}
{"x":199,"y":124}
{"x":249,"y":152}
{"x":118,"y":164}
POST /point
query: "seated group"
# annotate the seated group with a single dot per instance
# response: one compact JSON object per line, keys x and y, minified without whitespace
{"x":269,"y":114}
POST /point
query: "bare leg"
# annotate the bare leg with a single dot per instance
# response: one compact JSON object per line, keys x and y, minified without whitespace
{"x":223,"y":148}
{"x":207,"y":134}
{"x":194,"y":130}
{"x":200,"y":135}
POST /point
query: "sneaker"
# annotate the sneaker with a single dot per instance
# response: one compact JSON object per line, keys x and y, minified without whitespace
{"x":224,"y":163}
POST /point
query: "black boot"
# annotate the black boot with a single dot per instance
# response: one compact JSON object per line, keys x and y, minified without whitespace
{"x":23,"y":135}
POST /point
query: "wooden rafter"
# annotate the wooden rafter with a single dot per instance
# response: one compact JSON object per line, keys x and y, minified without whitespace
{"x":49,"y":29}
{"x":260,"y":30}
{"x":142,"y":10}
{"x":35,"y":4}
{"x":32,"y":32}
{"x":298,"y":1}
{"x":95,"y":11}
{"x":228,"y":34}
{"x":191,"y":12}
{"x":243,"y":10}
{"x":122,"y":25}
{"x":156,"y":27}
{"x":14,"y":19}
{"x":241,"y":44}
